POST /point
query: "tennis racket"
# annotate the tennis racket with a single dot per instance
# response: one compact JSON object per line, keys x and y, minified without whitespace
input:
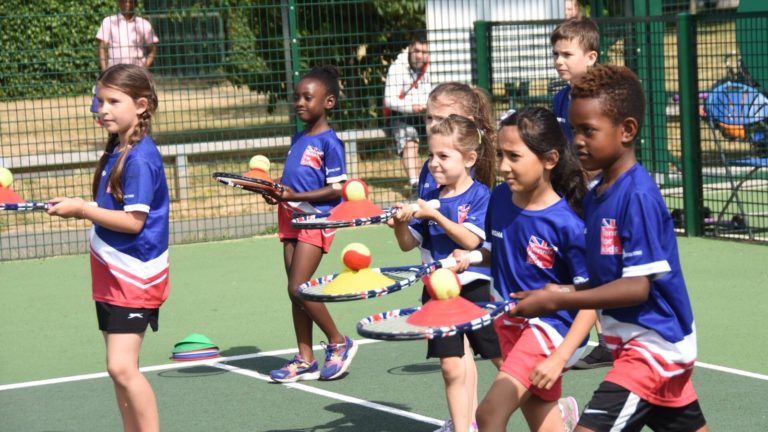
{"x":320,"y":220}
{"x":249,"y":184}
{"x":403,"y":277}
{"x":394,"y":326}
{"x":31,"y":206}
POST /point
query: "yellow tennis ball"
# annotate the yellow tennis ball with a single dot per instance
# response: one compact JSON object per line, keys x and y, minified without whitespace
{"x":356,"y":256}
{"x":354,"y":190}
{"x":259,"y":162}
{"x":443,"y":284}
{"x":6,"y":178}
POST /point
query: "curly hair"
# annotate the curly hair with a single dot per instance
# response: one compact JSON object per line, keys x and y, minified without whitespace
{"x":618,"y":89}
{"x":329,"y":76}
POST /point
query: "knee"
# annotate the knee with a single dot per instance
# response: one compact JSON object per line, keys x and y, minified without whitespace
{"x":484,"y":415}
{"x":121,"y":372}
{"x":452,"y":370}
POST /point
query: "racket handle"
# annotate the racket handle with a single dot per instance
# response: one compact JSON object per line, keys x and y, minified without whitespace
{"x":475,"y":257}
{"x":435,"y":204}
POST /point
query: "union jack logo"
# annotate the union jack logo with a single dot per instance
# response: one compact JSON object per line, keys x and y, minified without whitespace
{"x":463,"y":212}
{"x":312,"y":157}
{"x":610,"y":243}
{"x":540,"y":253}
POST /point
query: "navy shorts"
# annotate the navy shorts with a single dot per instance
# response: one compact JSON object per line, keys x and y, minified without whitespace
{"x":483,"y":341}
{"x":119,"y":319}
{"x":615,"y":408}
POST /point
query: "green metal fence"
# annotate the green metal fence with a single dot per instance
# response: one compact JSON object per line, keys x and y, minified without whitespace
{"x":225,"y":73}
{"x":704,"y":139}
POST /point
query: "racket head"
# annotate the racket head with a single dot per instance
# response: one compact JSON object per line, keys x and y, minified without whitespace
{"x":393,"y":325}
{"x":404,"y":276}
{"x":250,"y":184}
{"x":320,"y":220}
{"x":25,"y":206}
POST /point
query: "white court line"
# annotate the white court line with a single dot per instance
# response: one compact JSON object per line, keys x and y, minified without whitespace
{"x":334,"y":395}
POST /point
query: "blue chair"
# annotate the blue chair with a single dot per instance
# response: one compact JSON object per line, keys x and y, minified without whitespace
{"x":737,"y":111}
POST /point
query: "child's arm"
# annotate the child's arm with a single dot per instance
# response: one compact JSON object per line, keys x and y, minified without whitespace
{"x":401,"y":222}
{"x":546,"y":373}
{"x":622,"y":292}
{"x":326,"y":193}
{"x":115,"y":220}
{"x":460,"y":234}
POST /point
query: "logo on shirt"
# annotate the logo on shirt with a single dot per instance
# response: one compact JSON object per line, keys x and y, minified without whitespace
{"x":497,"y":234}
{"x":312,"y":157}
{"x":463,"y":212}
{"x":540,"y":253}
{"x":610,"y":243}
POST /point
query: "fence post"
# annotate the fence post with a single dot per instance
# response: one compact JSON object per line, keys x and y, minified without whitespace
{"x":292,"y":56}
{"x":482,"y":58}
{"x":689,"y":123}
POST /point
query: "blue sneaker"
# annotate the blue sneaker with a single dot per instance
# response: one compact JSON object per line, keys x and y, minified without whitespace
{"x":337,"y":358}
{"x":297,"y":369}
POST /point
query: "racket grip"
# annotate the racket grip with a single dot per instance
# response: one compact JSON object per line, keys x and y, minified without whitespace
{"x":475,"y":257}
{"x":435,"y":204}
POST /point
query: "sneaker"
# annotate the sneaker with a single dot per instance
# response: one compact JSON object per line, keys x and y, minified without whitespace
{"x":569,"y":409}
{"x":337,"y":358}
{"x":600,"y":356}
{"x":446,"y":427}
{"x":297,"y":369}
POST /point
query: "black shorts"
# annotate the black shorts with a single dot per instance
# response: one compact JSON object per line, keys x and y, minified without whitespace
{"x":615,"y":408}
{"x":119,"y":319}
{"x":483,"y":341}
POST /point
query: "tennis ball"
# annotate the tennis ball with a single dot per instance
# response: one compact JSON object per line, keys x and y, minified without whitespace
{"x":443,"y":284}
{"x":356,"y":256}
{"x":354,"y":190}
{"x":259,"y":162}
{"x":6,"y":178}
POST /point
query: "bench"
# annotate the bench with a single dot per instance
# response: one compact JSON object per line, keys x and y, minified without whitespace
{"x":179,"y":154}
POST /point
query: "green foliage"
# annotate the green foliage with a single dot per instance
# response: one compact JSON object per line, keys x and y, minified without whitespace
{"x":49,"y":46}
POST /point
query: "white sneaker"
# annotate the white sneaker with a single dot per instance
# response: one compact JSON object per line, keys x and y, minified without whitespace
{"x":569,"y":410}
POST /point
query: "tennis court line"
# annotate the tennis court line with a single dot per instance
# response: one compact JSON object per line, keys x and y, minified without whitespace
{"x":333,"y":395}
{"x":168,"y":366}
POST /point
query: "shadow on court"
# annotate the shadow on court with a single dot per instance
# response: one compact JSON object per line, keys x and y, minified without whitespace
{"x":361,"y":419}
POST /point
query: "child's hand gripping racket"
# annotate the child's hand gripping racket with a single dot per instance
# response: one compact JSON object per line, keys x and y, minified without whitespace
{"x":325,"y":220}
{"x":326,"y":290}
{"x":445,"y":314}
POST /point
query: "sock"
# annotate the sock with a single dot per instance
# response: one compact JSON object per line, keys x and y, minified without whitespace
{"x":414,"y":181}
{"x":600,"y":340}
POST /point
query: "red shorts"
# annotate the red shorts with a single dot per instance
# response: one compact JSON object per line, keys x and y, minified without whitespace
{"x":521,"y":350}
{"x":321,"y":238}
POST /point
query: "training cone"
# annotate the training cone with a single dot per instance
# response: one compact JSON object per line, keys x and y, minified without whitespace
{"x":351,"y":281}
{"x":258,"y":174}
{"x":354,"y":210}
{"x":7,"y":195}
{"x":443,"y":313}
{"x":195,"y":347}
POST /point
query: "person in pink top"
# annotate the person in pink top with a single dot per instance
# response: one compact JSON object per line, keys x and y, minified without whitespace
{"x":126,"y":39}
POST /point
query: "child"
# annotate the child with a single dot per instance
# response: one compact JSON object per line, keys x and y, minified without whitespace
{"x":535,"y":241}
{"x":313,"y":173}
{"x":456,"y":98}
{"x":633,"y":266}
{"x":456,"y":146}
{"x":129,"y":238}
{"x":575,"y":43}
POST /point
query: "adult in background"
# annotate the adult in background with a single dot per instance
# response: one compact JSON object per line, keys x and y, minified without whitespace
{"x":405,"y":99}
{"x":124,"y":39}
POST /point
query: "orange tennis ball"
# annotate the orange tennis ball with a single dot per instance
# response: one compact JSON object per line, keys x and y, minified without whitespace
{"x":6,"y":178}
{"x":259,"y":162}
{"x":443,"y":284}
{"x":354,"y":190}
{"x":356,"y":256}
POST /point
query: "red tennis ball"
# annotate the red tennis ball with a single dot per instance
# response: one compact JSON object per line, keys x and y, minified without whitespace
{"x":354,"y":190}
{"x":443,"y":284}
{"x":356,"y":256}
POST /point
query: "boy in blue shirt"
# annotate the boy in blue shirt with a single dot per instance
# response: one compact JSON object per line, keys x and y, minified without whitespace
{"x":633,"y":268}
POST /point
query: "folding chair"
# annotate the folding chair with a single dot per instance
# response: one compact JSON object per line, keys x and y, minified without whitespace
{"x":738,"y":111}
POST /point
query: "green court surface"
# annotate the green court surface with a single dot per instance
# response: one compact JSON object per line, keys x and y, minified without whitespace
{"x":52,"y":356}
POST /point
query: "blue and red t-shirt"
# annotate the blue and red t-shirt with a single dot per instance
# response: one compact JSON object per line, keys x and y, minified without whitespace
{"x":131,"y":270}
{"x":531,"y":248}
{"x":313,"y":162}
{"x":629,"y":233}
{"x":560,"y":105}
{"x":467,"y":209}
